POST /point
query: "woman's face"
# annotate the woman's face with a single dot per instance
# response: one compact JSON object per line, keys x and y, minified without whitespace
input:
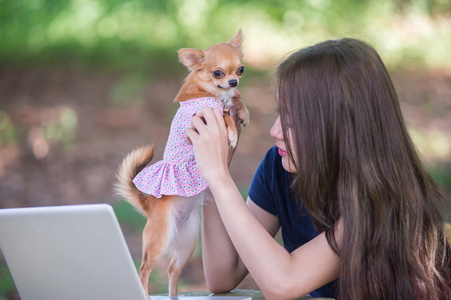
{"x":277,"y":133}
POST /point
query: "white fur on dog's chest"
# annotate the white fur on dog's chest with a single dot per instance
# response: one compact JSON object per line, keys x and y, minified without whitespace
{"x":226,"y":98}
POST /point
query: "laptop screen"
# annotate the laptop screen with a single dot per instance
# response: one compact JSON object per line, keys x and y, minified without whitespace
{"x":68,"y":252}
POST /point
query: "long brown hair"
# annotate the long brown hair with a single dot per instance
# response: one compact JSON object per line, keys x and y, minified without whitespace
{"x":356,"y":162}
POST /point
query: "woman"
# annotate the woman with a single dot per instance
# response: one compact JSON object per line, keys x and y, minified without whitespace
{"x":349,"y":162}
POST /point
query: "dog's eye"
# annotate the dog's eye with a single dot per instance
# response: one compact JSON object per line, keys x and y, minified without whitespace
{"x":240,"y":70}
{"x":218,"y":73}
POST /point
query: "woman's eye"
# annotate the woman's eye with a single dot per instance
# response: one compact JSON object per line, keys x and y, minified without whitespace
{"x":240,"y":70}
{"x":218,"y":73}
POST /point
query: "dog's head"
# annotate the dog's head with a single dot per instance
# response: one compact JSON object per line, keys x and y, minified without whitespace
{"x":218,"y":69}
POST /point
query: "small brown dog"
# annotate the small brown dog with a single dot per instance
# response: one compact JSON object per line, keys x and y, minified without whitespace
{"x":168,"y":192}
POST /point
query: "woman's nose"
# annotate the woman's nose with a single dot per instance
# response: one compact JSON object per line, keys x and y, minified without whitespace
{"x":276,"y":130}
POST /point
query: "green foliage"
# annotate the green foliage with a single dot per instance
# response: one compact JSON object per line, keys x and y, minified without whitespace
{"x":139,"y":34}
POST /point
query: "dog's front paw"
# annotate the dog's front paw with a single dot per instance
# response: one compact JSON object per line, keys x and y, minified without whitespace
{"x":233,"y":138}
{"x":241,"y":111}
{"x":243,"y":116}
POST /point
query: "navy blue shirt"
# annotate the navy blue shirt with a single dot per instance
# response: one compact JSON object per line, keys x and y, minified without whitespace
{"x":270,"y":190}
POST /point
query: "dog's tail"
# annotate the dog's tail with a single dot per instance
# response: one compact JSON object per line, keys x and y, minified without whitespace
{"x":132,"y":164}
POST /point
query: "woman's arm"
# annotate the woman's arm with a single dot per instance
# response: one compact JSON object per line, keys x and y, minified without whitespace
{"x":279,"y":274}
{"x":223,"y":268}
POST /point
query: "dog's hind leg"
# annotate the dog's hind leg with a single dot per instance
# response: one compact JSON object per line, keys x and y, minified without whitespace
{"x":182,"y":249}
{"x":147,"y":264}
{"x":155,"y":239}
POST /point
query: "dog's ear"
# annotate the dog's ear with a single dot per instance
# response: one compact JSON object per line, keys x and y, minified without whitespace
{"x":237,"y":40}
{"x":194,"y":59}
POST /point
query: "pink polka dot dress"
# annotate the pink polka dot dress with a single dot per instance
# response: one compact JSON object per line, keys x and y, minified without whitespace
{"x":177,"y":173}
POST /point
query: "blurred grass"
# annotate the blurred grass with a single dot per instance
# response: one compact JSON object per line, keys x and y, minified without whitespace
{"x":7,"y":287}
{"x":128,"y":216}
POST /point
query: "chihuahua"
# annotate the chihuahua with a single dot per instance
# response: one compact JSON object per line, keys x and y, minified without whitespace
{"x":169,"y":192}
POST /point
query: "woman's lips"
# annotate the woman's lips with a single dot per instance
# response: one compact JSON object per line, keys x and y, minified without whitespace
{"x":282,"y":153}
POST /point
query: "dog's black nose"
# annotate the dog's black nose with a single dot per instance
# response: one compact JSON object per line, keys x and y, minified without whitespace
{"x":233,"y":83}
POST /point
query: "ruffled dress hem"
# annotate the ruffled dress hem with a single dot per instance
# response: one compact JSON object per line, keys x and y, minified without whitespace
{"x":159,"y":179}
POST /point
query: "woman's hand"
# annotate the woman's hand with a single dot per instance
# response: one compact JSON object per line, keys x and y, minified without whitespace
{"x":208,"y":135}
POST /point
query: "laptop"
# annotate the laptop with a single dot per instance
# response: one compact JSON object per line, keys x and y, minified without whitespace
{"x":71,"y":252}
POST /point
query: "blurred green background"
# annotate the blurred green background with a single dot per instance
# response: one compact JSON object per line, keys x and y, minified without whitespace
{"x":82,"y":82}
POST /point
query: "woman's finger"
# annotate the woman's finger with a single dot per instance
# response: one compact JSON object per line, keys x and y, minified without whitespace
{"x":219,"y":118}
{"x":197,"y":123}
{"x":207,"y":115}
{"x":200,"y":124}
{"x":191,"y":134}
